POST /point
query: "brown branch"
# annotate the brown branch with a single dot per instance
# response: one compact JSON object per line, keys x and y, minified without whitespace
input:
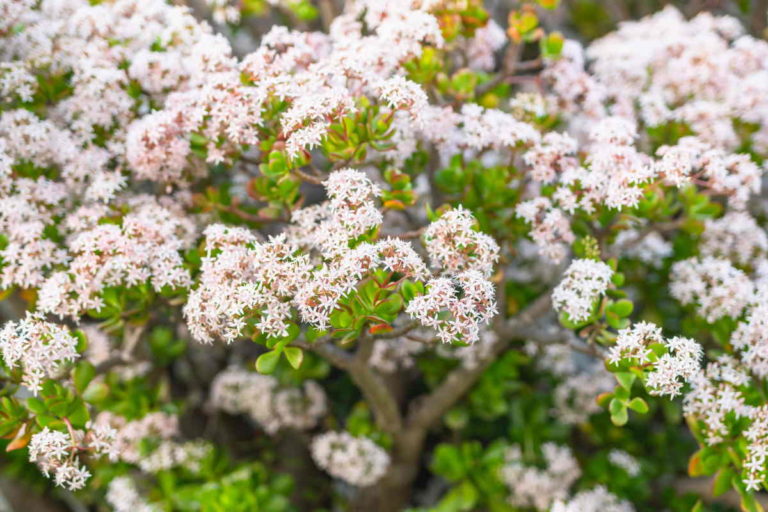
{"x":426,"y":341}
{"x":509,"y":63}
{"x":371,"y":385}
{"x":307,"y":177}
{"x":529,"y":65}
{"x":408,"y":235}
{"x":131,"y":336}
{"x":759,"y":18}
{"x":112,"y":362}
{"x":250,"y":160}
{"x":364,"y":349}
{"x":328,"y":351}
{"x":398,"y":332}
{"x":378,"y":396}
{"x":563,"y":336}
{"x":376,"y":392}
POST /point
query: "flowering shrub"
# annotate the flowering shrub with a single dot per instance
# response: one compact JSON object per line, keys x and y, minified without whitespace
{"x":383,"y":256}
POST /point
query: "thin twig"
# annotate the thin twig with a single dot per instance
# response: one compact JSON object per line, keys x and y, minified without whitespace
{"x":327,"y":350}
{"x":306,"y":177}
{"x":408,"y":235}
{"x":131,"y":336}
{"x":246,"y":216}
{"x":419,"y":339}
{"x":398,"y":332}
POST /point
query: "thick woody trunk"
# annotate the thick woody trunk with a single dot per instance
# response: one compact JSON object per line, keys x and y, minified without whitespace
{"x":393,"y":492}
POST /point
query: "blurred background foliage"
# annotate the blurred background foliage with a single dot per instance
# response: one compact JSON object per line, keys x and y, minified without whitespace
{"x":512,"y":399}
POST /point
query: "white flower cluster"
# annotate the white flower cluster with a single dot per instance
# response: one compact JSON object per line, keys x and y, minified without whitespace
{"x":736,"y":236}
{"x":157,"y":426}
{"x":616,"y":175}
{"x":539,"y":488}
{"x":302,"y":68}
{"x":713,"y":285}
{"x":728,"y":280}
{"x":757,"y":448}
{"x":552,"y":155}
{"x":550,"y":226}
{"x":350,"y":195}
{"x":145,"y":248}
{"x":123,"y":496}
{"x":56,"y":453}
{"x":526,"y":104}
{"x":86,"y":181}
{"x":38,"y":347}
{"x":680,"y":362}
{"x":356,"y":460}
{"x":491,"y":128}
{"x":467,"y":298}
{"x":318,"y":297}
{"x":613,"y":175}
{"x":399,"y":256}
{"x":576,"y":395}
{"x":400,"y":93}
{"x":455,"y":246}
{"x":349,"y":213}
{"x":238,"y":276}
{"x":53,"y":452}
{"x":733,"y":175}
{"x":223,"y":11}
{"x":632,"y":342}
{"x":625,"y":461}
{"x":466,"y":257}
{"x":583,"y":283}
{"x":597,"y":499}
{"x":242,"y":277}
{"x":480,"y":49}
{"x":191,"y":84}
{"x":238,"y":391}
{"x":616,"y":170}
{"x":16,"y":80}
{"x":701,"y":73}
{"x":715,"y":394}
{"x":720,"y":395}
{"x":171,"y":454}
{"x":749,"y":339}
{"x":704,"y":72}
{"x":718,"y":398}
